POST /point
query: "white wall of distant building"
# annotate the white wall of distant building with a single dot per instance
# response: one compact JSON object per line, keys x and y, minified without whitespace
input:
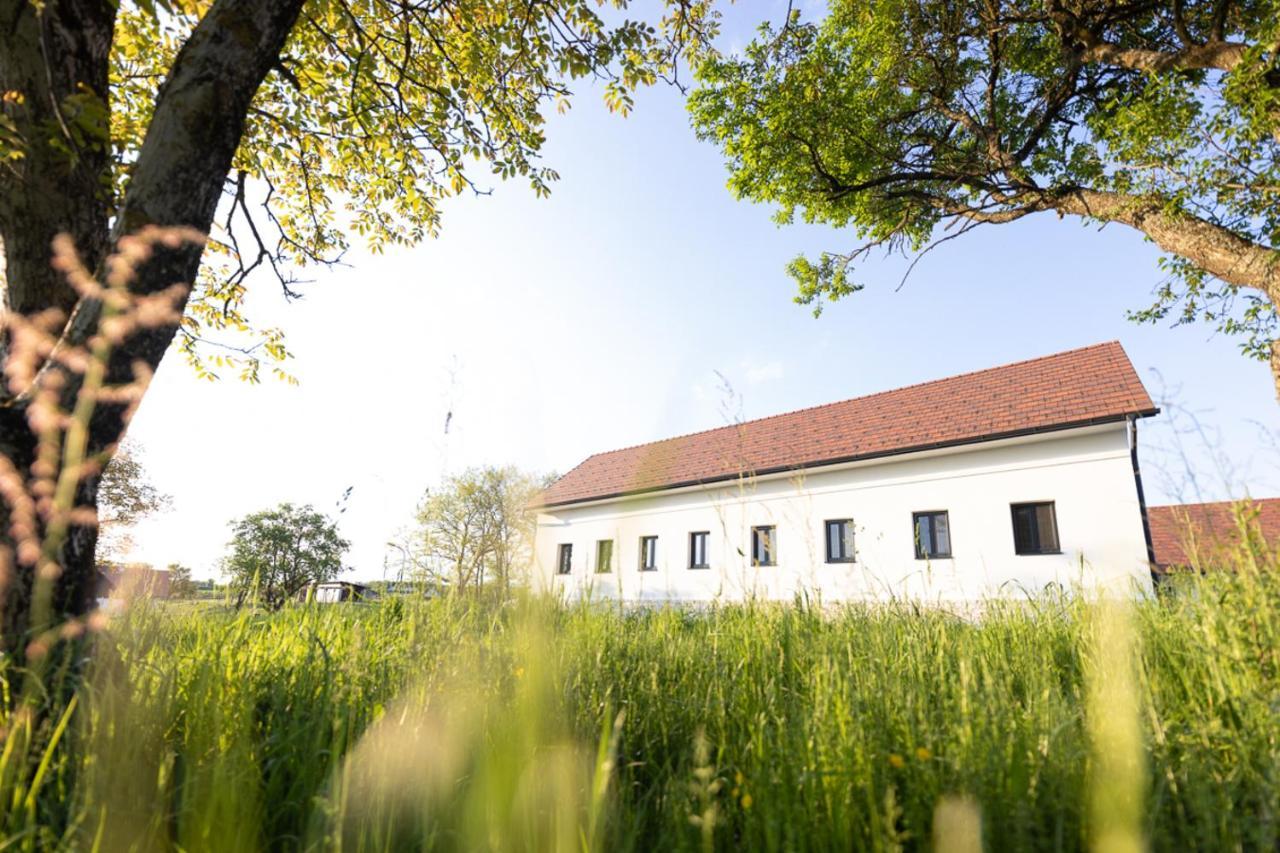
{"x":1087,"y":473}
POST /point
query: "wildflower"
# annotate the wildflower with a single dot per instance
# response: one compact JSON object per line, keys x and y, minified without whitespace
{"x":923,"y":753}
{"x":13,"y":97}
{"x":746,"y":802}
{"x":896,"y":761}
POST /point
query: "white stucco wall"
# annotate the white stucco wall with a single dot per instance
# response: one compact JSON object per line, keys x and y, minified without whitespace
{"x":1085,"y":472}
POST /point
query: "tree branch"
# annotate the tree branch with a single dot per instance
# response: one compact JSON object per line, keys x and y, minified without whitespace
{"x":195,"y":130}
{"x":1214,"y":248}
{"x":1218,"y":27}
{"x":1218,"y":250}
{"x":1220,"y":55}
{"x":1180,"y":24}
{"x":1083,"y":38}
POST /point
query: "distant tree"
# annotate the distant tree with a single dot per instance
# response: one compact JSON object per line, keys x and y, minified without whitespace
{"x":277,"y":552}
{"x":894,"y":117}
{"x":126,"y":496}
{"x":456,"y":528}
{"x":180,"y":583}
{"x":476,"y":526}
{"x":511,"y":492}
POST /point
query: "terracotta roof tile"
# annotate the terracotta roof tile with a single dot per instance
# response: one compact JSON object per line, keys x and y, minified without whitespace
{"x":1082,"y":386}
{"x":1207,"y":528}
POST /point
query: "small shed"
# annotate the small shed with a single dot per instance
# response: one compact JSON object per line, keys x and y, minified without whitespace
{"x":335,"y":592}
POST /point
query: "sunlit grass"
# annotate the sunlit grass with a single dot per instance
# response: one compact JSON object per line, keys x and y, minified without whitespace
{"x":532,"y":726}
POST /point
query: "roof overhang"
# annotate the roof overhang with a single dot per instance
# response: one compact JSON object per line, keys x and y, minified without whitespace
{"x":854,"y":458}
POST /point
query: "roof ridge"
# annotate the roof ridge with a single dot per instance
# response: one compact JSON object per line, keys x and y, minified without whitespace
{"x":872,"y":395}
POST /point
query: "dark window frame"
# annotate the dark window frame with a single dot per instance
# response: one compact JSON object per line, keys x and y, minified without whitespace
{"x":644,"y":554}
{"x":1039,"y":550}
{"x":932,"y":515}
{"x":609,"y":569}
{"x":706,"y":549}
{"x":771,"y":542}
{"x":564,"y":559}
{"x":852,"y":556}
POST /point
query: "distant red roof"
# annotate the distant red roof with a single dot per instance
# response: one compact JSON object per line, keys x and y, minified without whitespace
{"x":1208,"y":528}
{"x":1091,"y":385}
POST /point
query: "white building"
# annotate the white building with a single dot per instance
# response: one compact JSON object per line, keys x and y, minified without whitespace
{"x":998,"y":482}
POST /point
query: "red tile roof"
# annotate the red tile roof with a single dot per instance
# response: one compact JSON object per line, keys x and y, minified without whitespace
{"x":1084,"y":386}
{"x":1209,"y":530}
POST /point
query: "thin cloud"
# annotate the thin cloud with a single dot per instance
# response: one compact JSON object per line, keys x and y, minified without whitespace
{"x":767,"y":372}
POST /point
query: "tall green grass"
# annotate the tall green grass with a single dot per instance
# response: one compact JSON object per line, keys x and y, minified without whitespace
{"x":448,"y":724}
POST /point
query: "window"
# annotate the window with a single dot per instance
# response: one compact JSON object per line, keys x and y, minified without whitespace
{"x":933,"y":535}
{"x":840,"y":540}
{"x":564,"y":559}
{"x":698,"y":550}
{"x":604,"y":556}
{"x":1035,"y":528}
{"x":764,"y":547}
{"x":648,"y":553}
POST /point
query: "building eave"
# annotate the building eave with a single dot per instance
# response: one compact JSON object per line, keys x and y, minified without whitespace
{"x":844,"y":460}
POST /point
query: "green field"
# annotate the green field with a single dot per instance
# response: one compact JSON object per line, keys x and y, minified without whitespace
{"x":450,"y":724}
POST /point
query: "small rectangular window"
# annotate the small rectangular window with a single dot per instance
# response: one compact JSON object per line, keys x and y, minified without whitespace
{"x":698,"y":550}
{"x":604,"y":556}
{"x":840,"y":540}
{"x":764,"y":546}
{"x":1035,"y":528}
{"x":933,"y":535}
{"x":648,"y":553}
{"x":564,"y":559}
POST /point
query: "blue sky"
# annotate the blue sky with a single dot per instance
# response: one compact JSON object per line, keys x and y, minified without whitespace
{"x":605,"y":316}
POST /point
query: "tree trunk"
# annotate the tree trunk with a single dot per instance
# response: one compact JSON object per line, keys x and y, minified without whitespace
{"x":177,"y":180}
{"x":55,"y":61}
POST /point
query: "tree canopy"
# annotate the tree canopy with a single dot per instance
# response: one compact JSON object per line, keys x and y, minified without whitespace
{"x":276,"y":553}
{"x":205,"y":142}
{"x":369,"y":114}
{"x":180,"y":583}
{"x":477,"y":527}
{"x":894,"y":117}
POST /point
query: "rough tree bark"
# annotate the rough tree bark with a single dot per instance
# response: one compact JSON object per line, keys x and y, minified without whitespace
{"x":177,"y":180}
{"x":58,"y":186}
{"x":54,"y":61}
{"x":1220,"y":55}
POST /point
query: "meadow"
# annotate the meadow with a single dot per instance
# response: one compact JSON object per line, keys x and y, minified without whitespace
{"x":458,"y":724}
